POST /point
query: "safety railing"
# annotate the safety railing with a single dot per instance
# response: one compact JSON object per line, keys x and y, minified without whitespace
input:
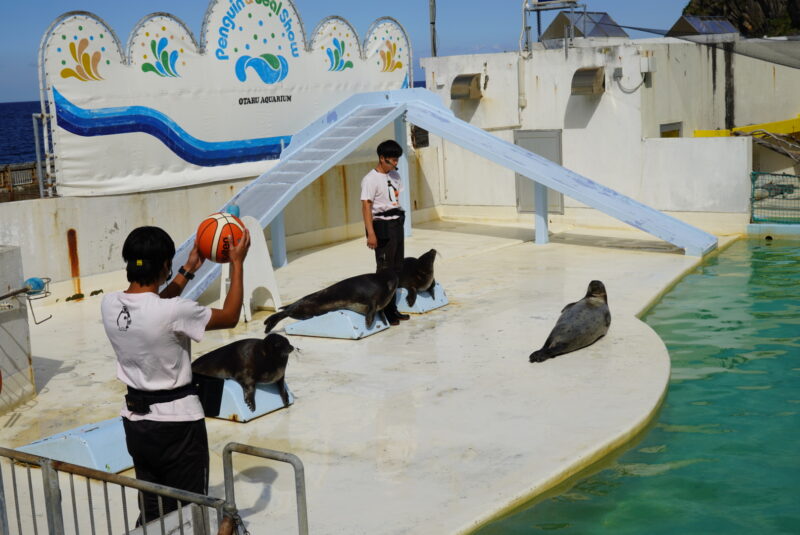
{"x":775,"y":198}
{"x":98,"y":502}
{"x":299,"y":476}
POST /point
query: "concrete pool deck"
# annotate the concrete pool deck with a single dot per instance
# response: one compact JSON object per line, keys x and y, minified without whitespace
{"x":435,"y":425}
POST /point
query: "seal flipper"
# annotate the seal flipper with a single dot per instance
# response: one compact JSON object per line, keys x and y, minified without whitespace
{"x":283,"y":390}
{"x":369,"y":319}
{"x":430,"y":290}
{"x":411,"y":298}
{"x":548,"y":352}
{"x":249,"y":389}
{"x":273,"y":320}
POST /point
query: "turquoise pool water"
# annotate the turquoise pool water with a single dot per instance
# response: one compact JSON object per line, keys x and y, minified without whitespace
{"x":724,"y":454}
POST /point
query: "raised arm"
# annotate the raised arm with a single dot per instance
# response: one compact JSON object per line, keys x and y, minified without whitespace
{"x":228,"y":316}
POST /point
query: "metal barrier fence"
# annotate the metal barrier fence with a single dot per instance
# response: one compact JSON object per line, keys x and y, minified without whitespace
{"x":774,"y":198}
{"x":299,"y":476}
{"x":99,"y":502}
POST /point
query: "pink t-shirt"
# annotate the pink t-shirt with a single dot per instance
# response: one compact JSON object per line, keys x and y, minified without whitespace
{"x":383,"y":190}
{"x":152,"y":340}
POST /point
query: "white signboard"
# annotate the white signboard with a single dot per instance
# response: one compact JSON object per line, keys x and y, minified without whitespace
{"x":167,"y":112}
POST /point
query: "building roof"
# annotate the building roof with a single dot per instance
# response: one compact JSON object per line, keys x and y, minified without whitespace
{"x":587,"y":24}
{"x":699,"y":25}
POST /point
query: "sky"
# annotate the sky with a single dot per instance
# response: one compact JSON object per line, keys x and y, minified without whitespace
{"x":463,"y":26}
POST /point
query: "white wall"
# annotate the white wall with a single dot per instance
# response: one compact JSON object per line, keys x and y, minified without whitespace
{"x":696,"y":174}
{"x":17,"y":384}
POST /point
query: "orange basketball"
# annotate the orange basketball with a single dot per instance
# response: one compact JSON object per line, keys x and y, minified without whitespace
{"x":217,"y":234}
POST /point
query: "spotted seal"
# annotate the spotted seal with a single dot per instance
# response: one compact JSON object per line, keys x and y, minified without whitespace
{"x":249,"y":362}
{"x":365,"y":294}
{"x":581,"y":324}
{"x":417,"y":276}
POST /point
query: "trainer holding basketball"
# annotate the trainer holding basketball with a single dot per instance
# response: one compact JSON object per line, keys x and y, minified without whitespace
{"x":151,"y":334}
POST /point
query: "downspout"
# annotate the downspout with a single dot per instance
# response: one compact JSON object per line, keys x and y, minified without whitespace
{"x":524,"y":52}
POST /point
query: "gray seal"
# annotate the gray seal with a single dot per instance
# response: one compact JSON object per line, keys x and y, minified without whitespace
{"x":364,"y":294}
{"x":581,"y":324}
{"x":417,"y":276}
{"x":249,"y":362}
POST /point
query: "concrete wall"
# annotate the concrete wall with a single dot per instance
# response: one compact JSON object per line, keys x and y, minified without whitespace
{"x":689,"y":85}
{"x":326,"y":211}
{"x":696,"y":174}
{"x":16,"y":371}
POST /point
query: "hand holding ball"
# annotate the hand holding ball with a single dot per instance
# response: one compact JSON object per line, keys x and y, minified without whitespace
{"x":217,"y":235}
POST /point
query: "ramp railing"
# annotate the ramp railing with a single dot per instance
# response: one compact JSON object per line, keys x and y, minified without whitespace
{"x":97,"y":502}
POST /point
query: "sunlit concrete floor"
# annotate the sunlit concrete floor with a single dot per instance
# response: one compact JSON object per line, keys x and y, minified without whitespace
{"x":432,"y":426}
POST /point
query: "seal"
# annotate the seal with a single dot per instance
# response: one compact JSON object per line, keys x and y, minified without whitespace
{"x":248,"y":362}
{"x":581,"y":324}
{"x":365,"y":294}
{"x":417,"y":276}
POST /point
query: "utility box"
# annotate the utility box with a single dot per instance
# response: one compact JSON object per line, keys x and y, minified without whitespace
{"x":16,"y":370}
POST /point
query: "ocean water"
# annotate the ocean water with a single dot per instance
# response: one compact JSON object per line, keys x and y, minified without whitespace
{"x":16,"y":132}
{"x":723,"y":455}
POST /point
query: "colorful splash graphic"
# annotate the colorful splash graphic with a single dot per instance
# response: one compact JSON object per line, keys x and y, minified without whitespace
{"x":336,"y":57}
{"x":86,"y":68}
{"x":388,"y":56}
{"x":127,"y":119}
{"x":165,"y":61}
{"x":269,"y":67}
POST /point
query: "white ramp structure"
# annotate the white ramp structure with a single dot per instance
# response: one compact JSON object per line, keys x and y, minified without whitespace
{"x":331,"y":138}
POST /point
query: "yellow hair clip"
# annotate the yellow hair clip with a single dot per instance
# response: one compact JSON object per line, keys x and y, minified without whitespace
{"x":138,"y":262}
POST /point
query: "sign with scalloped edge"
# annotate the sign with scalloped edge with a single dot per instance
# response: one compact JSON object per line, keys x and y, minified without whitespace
{"x":166,"y":111}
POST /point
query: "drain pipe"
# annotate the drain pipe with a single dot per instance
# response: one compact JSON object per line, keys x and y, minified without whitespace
{"x":522,"y":101}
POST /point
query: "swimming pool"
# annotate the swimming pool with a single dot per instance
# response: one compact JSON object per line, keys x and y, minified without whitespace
{"x":724,"y":453}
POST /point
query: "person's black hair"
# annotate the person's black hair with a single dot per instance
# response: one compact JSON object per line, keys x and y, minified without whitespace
{"x":390,"y":149}
{"x":145,"y":250}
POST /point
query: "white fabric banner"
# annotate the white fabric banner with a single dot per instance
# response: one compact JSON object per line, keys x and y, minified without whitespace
{"x":167,"y":112}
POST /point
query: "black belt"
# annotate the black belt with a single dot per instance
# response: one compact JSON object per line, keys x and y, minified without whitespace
{"x":139,"y":401}
{"x":390,"y":213}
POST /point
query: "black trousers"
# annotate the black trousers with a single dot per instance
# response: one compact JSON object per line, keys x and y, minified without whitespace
{"x":169,"y":453}
{"x":390,"y":251}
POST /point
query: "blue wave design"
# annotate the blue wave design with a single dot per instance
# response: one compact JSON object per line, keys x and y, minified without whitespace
{"x":173,"y":58}
{"x":127,"y":119}
{"x":270,"y":68}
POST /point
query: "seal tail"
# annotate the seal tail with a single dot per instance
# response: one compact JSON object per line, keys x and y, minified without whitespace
{"x":273,"y":320}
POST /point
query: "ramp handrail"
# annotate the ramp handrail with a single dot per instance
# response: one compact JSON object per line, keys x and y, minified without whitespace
{"x":294,"y":460}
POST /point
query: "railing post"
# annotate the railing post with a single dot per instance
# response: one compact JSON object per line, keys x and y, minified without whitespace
{"x":277,"y":232}
{"x":540,"y":216}
{"x":294,"y":460}
{"x":39,"y":176}
{"x":52,"y":499}
{"x":402,"y":168}
{"x":4,"y":529}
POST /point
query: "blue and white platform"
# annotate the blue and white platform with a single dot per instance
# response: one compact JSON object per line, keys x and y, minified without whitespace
{"x":100,"y":446}
{"x":425,"y":301}
{"x":343,"y":323}
{"x":232,"y":406}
